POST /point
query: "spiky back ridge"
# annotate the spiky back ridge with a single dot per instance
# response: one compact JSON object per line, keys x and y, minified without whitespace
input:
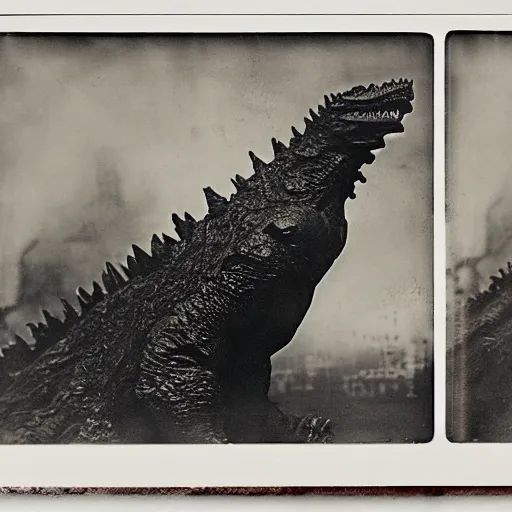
{"x":500,"y":286}
{"x":53,"y":329}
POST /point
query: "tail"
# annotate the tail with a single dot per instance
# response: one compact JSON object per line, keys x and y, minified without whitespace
{"x":17,"y":355}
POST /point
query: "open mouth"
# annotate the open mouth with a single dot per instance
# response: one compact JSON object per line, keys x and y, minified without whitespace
{"x":386,"y":103}
{"x":375,"y":115}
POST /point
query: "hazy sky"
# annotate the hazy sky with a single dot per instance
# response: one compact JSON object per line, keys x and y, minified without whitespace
{"x":479,"y":148}
{"x":181,"y":114}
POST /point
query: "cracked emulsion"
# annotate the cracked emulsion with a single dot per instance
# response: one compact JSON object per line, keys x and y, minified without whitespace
{"x":178,"y":349}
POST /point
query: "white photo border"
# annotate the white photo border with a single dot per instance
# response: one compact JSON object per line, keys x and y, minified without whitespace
{"x":438,"y":463}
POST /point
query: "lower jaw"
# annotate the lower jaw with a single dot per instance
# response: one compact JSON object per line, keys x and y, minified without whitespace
{"x":362,"y":156}
{"x":376,"y":141}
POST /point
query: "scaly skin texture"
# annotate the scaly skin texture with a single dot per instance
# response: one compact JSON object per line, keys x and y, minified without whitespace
{"x":180,"y":351}
{"x":482,"y":363}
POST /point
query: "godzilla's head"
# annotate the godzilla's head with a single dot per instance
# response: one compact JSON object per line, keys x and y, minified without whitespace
{"x":297,"y":199}
{"x":339,"y":139}
{"x":363,"y":115}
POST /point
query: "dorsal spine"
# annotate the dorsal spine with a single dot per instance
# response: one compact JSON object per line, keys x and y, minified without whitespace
{"x":45,"y":334}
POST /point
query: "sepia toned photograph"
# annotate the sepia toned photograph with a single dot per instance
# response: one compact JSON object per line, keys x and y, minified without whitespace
{"x":229,"y":238}
{"x":479,"y":236}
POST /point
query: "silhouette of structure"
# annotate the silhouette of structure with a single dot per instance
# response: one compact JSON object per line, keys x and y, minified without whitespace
{"x":53,"y":265}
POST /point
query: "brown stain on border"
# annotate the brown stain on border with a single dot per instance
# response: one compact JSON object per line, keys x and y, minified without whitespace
{"x":260,"y":491}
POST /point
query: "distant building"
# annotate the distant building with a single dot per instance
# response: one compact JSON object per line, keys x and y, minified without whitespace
{"x":387,"y":367}
{"x":298,"y":372}
{"x":73,"y":255}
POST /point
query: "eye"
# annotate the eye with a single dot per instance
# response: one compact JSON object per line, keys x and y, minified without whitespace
{"x":278,"y":233}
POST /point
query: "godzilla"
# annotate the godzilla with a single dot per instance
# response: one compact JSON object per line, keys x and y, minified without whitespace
{"x":481,"y":362}
{"x":179,"y":349}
